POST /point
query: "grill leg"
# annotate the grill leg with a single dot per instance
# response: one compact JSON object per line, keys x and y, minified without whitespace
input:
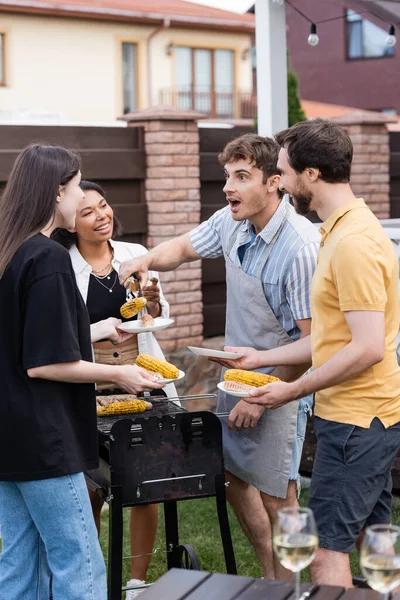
{"x":224,"y":524}
{"x":115,"y":539}
{"x":172,"y":534}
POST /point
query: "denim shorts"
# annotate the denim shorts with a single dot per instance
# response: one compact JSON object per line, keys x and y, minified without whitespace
{"x":304,"y":410}
{"x":351,"y":483}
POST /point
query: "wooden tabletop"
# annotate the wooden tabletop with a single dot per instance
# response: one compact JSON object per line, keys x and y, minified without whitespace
{"x":182,"y":584}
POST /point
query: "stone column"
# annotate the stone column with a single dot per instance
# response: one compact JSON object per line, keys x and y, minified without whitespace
{"x":173,"y":200}
{"x":370,"y":176}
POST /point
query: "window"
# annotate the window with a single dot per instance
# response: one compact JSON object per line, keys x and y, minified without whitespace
{"x":205,"y":80}
{"x":2,"y":59}
{"x":129,"y":79}
{"x":365,"y":39}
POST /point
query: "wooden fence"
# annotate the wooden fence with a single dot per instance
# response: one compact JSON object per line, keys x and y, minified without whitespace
{"x":212,"y":141}
{"x":111,"y":156}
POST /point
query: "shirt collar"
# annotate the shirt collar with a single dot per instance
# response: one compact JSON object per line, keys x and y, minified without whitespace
{"x":79,"y":264}
{"x":269,"y":231}
{"x":331,"y":221}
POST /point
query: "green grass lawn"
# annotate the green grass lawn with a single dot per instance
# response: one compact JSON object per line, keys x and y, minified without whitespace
{"x":198,"y":526}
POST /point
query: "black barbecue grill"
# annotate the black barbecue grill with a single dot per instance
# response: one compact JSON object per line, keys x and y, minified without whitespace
{"x":161,"y":456}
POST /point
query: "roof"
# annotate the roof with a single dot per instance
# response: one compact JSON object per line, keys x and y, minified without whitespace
{"x":326,"y":111}
{"x":178,"y":12}
{"x":334,"y":111}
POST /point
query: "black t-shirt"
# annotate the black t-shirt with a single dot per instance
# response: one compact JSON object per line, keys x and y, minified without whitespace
{"x":101,"y":303}
{"x":47,"y":428}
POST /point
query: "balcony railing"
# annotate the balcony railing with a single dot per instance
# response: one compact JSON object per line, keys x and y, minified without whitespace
{"x":214,"y":104}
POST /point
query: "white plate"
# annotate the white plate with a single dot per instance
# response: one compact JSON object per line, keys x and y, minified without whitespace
{"x":137,"y":327}
{"x":214,"y":353}
{"x":180,"y":376}
{"x":221,"y":386}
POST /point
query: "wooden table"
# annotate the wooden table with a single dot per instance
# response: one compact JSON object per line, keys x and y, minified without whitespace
{"x":181,"y":584}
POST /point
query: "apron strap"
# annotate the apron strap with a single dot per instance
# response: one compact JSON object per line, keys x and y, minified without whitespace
{"x":232,"y":239}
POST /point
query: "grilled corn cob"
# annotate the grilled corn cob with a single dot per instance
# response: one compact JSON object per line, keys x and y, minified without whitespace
{"x":132,"y":307}
{"x":249,"y":377}
{"x":123,"y":408}
{"x":157,"y":366}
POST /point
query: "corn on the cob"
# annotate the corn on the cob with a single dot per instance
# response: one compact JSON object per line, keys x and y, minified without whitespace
{"x":249,"y":377}
{"x":132,"y":307}
{"x":150,"y":363}
{"x":123,"y":408}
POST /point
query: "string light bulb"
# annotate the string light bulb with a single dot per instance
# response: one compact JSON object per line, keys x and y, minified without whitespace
{"x":313,"y":38}
{"x":391,"y":38}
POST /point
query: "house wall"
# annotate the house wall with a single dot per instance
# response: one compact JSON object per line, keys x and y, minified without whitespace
{"x":70,"y":69}
{"x":324,"y":73}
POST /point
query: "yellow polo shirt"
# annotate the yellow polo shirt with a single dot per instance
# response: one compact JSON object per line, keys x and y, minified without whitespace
{"x":357,"y":270}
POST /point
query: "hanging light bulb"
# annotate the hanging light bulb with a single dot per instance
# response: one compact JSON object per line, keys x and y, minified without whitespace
{"x":391,"y":38}
{"x":278,"y":2}
{"x":313,"y":38}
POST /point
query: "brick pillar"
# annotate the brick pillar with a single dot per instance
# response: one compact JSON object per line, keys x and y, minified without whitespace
{"x":370,"y":177}
{"x":173,"y":200}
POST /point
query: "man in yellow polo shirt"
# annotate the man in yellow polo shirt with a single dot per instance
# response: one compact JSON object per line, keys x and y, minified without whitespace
{"x":355,"y":320}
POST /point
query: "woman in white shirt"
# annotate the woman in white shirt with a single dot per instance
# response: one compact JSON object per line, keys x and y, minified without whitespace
{"x":96,"y":258}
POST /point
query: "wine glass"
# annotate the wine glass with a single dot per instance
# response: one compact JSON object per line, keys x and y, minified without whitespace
{"x":295,"y":540}
{"x":380,"y":558}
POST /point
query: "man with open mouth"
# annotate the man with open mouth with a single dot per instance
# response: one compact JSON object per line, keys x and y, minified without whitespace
{"x":270,"y":256}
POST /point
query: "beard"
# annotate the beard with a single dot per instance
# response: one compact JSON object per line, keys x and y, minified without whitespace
{"x":302,"y":199}
{"x":302,"y":203}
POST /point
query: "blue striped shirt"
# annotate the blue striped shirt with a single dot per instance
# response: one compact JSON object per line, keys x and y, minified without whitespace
{"x":287,"y":273}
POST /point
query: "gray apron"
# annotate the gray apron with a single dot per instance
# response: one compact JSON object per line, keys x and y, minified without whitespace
{"x":262,"y":455}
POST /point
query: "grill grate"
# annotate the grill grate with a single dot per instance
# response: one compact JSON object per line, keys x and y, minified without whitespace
{"x":161,"y":406}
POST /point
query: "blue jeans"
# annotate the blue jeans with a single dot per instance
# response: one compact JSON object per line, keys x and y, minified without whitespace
{"x":48,"y":529}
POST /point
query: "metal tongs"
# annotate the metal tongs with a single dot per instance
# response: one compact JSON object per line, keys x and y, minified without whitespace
{"x":133,"y":287}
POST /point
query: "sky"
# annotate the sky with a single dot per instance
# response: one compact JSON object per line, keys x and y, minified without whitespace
{"x":239,"y":6}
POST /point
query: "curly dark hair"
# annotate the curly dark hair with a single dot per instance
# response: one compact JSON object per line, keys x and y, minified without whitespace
{"x":261,"y":151}
{"x":67,"y":238}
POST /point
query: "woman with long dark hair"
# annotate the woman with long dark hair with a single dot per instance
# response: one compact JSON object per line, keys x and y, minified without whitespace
{"x":48,"y":433}
{"x":96,"y":257}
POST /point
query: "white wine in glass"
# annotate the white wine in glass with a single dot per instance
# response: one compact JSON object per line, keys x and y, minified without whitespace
{"x":380,"y":558}
{"x":295,"y":540}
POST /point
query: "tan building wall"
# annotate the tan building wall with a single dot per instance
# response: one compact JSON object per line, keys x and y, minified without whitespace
{"x":71,"y":69}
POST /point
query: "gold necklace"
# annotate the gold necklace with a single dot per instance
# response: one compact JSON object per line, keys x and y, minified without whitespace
{"x":107,"y":275}
{"x":101,"y":270}
{"x":108,"y":265}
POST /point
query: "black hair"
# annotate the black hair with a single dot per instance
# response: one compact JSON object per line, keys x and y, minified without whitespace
{"x":67,"y":238}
